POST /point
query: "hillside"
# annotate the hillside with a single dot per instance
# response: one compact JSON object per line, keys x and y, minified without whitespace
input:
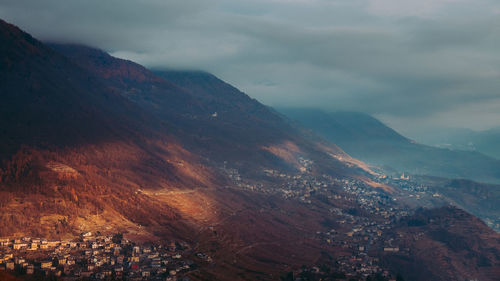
{"x":89,"y":142}
{"x":213,"y":118}
{"x":368,"y":139}
{"x":444,"y":235}
{"x":479,"y":199}
{"x":73,"y":149}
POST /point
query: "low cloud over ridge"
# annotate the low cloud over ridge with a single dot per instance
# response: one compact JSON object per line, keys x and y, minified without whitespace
{"x":415,"y":64}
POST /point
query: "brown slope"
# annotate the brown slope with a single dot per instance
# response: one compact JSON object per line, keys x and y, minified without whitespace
{"x":446,"y":244}
{"x":213,"y":119}
{"x":73,"y":149}
{"x":78,"y":147}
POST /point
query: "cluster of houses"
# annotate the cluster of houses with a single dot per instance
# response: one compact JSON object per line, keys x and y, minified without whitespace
{"x":344,"y":268}
{"x":97,"y":257}
{"x":364,"y":237}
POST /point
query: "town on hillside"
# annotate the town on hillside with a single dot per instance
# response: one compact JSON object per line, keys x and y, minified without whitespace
{"x":98,"y":257}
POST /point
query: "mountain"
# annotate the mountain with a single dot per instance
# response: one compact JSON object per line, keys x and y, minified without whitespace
{"x":345,"y":127}
{"x":95,"y":143}
{"x":368,"y":139}
{"x":213,"y":117}
{"x":67,"y":135}
{"x":485,"y":142}
{"x":479,"y":199}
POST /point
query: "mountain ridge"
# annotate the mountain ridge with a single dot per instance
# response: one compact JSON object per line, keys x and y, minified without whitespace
{"x":381,"y":146}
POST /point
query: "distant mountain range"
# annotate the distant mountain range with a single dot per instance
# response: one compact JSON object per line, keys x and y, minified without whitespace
{"x":486,"y":142}
{"x":368,"y":139}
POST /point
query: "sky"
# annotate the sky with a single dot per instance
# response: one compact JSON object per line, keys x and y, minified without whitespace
{"x":418,"y":65}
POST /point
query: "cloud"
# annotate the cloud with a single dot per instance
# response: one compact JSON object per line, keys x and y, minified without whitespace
{"x":413,"y":63}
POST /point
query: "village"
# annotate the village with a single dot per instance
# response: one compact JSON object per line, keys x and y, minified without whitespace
{"x":363,"y":231}
{"x":97,"y":257}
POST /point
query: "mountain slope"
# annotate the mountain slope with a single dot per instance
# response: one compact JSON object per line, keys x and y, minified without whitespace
{"x":67,"y":136}
{"x":101,"y":134}
{"x":368,"y":139}
{"x":214,"y":119}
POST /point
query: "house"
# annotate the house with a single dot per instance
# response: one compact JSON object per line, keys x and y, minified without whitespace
{"x":46,"y":264}
{"x":4,"y":242}
{"x":9,"y":265}
{"x":33,"y":246}
{"x":52,"y":244}
{"x":30,"y":269}
{"x":387,"y":249}
{"x":19,"y":246}
{"x":136,"y":249}
{"x":119,"y":271}
{"x":156,"y":263}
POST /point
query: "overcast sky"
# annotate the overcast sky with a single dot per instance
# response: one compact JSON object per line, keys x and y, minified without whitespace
{"x":416,"y":64}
